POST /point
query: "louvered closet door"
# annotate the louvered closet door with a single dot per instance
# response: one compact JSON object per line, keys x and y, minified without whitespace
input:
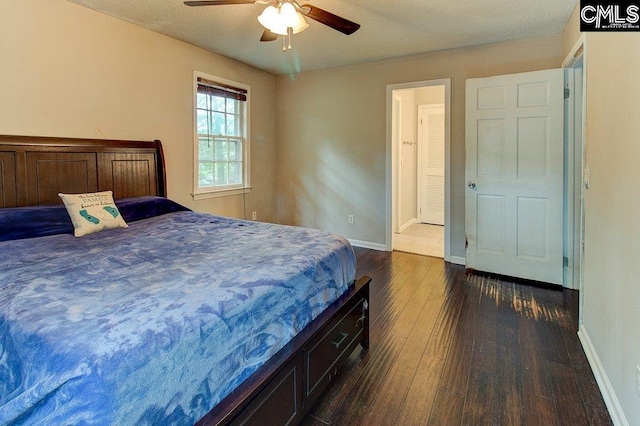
{"x":431,"y":164}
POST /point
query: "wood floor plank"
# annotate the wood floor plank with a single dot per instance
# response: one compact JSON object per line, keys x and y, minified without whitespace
{"x":420,"y":399}
{"x":449,"y":403}
{"x":360,"y":398}
{"x":460,"y":325}
{"x":441,"y":313}
{"x":450,"y":347}
{"x":389,"y":306}
{"x":554,"y":348}
{"x":445,"y":331}
{"x":415,"y":325}
{"x":509,"y":403}
{"x":406,"y":322}
{"x":408,"y":301}
{"x":509,"y":379}
{"x":486,"y":333}
{"x":480,"y":400}
{"x":566,"y":395}
{"x":536,"y":381}
{"x":591,"y":398}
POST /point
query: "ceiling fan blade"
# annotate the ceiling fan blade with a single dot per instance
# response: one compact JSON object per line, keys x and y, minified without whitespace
{"x":329,"y":19}
{"x":217,"y":2}
{"x":268,"y":36}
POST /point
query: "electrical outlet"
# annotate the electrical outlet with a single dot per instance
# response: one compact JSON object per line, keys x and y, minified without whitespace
{"x":638,"y":379}
{"x":350,"y":219}
{"x":254,"y":216}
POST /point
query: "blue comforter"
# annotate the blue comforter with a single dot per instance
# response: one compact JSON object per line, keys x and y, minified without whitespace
{"x":158,"y":322}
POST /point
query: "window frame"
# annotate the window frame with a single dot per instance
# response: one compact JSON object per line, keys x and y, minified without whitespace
{"x":245,"y":186}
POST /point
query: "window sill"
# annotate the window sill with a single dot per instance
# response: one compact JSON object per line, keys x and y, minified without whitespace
{"x":221,"y":193}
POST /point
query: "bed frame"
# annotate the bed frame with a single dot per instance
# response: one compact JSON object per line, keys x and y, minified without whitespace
{"x":33,"y":170}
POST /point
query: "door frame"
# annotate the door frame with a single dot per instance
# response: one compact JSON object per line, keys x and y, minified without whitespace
{"x":396,"y":136}
{"x":392,"y":169}
{"x":423,"y":140}
{"x":578,"y":55}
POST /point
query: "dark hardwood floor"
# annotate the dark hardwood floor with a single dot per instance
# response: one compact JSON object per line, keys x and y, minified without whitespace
{"x":451,"y":348}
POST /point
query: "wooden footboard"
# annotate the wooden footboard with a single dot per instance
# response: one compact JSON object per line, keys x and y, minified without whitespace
{"x":282,"y":391}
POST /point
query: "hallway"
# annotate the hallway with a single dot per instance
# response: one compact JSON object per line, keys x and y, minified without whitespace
{"x":421,"y":238}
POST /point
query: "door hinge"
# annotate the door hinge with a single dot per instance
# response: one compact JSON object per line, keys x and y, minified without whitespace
{"x":565,"y":262}
{"x":567,"y":92}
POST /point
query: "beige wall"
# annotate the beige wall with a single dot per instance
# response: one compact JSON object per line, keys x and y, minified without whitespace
{"x":571,"y":31}
{"x":611,"y":294}
{"x":332,"y":133}
{"x":71,"y":72}
{"x":407,"y":151}
{"x":430,"y":95}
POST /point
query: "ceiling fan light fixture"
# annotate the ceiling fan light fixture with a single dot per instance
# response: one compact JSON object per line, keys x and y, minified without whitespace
{"x":300,"y":24}
{"x":269,"y":17}
{"x":279,"y":19}
{"x":287,"y":17}
{"x":288,"y":14}
{"x":279,"y":29}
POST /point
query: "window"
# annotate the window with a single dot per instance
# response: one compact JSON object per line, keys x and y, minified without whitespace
{"x":221,"y":142}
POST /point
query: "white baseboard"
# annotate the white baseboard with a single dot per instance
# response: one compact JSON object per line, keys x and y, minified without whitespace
{"x":381,"y":247}
{"x":606,"y":389}
{"x":368,"y":245}
{"x":408,"y":224}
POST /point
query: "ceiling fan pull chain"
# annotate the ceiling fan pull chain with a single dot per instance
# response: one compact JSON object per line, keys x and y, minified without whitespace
{"x":286,"y":40}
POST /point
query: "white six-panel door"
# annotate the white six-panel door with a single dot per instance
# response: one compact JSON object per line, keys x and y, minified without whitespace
{"x":514,"y":174}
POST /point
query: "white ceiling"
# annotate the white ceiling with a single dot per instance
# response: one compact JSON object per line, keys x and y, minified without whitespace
{"x":388,"y":28}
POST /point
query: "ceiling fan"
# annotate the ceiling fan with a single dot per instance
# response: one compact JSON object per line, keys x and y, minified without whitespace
{"x":286,"y":17}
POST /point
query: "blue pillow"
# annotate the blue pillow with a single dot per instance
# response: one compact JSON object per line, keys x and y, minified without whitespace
{"x":39,"y":221}
{"x":139,"y":208}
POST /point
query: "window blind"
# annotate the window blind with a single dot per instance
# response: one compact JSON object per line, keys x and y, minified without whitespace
{"x":222,"y":90}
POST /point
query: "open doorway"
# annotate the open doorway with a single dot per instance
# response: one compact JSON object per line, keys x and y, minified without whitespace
{"x":418,"y":165}
{"x":577,"y":170}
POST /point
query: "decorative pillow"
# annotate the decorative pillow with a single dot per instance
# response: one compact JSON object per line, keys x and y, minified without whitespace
{"x":92,"y":212}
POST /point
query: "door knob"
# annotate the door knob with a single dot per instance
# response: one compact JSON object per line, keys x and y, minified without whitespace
{"x":471,"y":184}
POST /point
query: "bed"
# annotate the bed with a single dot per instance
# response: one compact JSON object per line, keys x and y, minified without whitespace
{"x":180,"y":318}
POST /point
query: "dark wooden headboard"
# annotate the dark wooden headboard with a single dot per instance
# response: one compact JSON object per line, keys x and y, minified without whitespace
{"x":33,"y":170}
